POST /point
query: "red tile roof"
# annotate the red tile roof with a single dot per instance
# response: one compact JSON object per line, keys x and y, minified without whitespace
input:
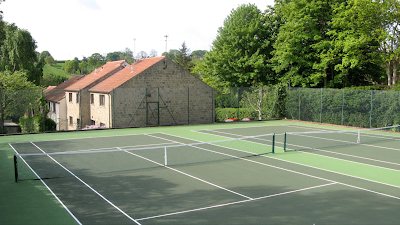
{"x":56,"y":93}
{"x":97,"y":75}
{"x":125,"y":74}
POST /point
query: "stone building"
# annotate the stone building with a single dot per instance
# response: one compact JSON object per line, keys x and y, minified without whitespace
{"x":78,"y":97}
{"x":55,"y":97}
{"x":152,"y":91}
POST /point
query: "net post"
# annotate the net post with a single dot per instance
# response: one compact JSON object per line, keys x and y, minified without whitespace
{"x":165,"y":156}
{"x":16,"y":168}
{"x":273,"y":143}
{"x":284,"y":142}
{"x":359,"y":137}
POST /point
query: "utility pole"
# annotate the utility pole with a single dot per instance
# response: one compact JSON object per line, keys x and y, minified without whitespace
{"x":166,"y":49}
{"x":134,"y":49}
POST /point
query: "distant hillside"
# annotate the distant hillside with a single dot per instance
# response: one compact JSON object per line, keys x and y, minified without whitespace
{"x":54,"y":75}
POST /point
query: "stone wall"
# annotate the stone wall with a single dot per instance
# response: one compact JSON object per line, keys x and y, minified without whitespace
{"x":168,"y":95}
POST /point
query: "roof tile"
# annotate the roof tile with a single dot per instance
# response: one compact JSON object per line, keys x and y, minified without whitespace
{"x":97,"y":75}
{"x":125,"y":74}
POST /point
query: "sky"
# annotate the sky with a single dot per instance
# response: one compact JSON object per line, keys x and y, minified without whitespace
{"x":77,"y":28}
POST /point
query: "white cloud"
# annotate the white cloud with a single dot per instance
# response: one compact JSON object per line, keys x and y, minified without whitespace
{"x":92,"y":4}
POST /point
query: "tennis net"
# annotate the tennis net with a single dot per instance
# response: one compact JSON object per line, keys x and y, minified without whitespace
{"x":296,"y":141}
{"x":44,"y":165}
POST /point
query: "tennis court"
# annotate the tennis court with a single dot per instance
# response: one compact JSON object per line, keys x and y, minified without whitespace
{"x":243,"y":173}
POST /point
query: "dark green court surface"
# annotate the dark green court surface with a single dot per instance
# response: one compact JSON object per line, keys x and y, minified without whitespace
{"x":168,"y":175}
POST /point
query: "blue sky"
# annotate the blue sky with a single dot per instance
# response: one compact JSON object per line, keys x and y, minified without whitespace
{"x":76,"y":28}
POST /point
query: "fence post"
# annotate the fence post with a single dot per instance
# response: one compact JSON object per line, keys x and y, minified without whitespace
{"x":188,"y":102}
{"x":370,"y":113}
{"x":238,"y":93}
{"x":342,"y":105}
{"x":299,"y":102}
{"x":320,"y":112}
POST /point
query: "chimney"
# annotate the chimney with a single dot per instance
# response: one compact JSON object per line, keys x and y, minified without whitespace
{"x":132,"y":69}
{"x":95,"y":71}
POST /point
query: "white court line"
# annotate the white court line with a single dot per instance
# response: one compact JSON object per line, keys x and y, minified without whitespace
{"x":233,"y":203}
{"x":230,"y":128}
{"x":338,"y":153}
{"x":354,"y":156}
{"x":84,"y":138}
{"x":225,"y":189}
{"x":304,"y":173}
{"x":48,"y":188}
{"x":329,"y":139}
{"x":331,"y":158}
{"x":87,"y":185}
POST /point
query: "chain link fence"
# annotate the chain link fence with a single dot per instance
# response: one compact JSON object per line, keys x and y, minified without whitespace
{"x":135,"y":107}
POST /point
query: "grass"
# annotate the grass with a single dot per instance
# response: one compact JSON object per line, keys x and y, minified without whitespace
{"x":56,"y":70}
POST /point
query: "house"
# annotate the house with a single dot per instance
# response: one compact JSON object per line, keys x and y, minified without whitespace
{"x":78,"y":97}
{"x":152,"y":91}
{"x":55,"y":97}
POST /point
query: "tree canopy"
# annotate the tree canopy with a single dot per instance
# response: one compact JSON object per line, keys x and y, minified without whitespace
{"x":241,"y":50}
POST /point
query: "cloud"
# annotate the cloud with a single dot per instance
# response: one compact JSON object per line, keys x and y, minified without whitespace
{"x":92,"y":4}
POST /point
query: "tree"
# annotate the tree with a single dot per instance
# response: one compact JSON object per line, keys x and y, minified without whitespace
{"x":95,"y":59}
{"x":83,"y":67}
{"x":18,"y":95}
{"x":71,"y":66}
{"x":114,"y":56}
{"x":356,"y":37}
{"x":390,"y":43}
{"x":49,"y":60}
{"x":142,"y":54}
{"x":18,"y":53}
{"x":153,"y":53}
{"x":172,"y":54}
{"x":199,"y":53}
{"x":183,"y":58}
{"x":301,"y":41}
{"x":241,"y":50}
{"x":44,"y":54}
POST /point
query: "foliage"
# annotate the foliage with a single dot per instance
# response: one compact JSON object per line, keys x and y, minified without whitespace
{"x":18,"y":95}
{"x":51,"y":79}
{"x":71,"y":66}
{"x":96,"y":60}
{"x":347,"y":107}
{"x":35,"y":124}
{"x":142,"y":54}
{"x":183,"y":58}
{"x":198,"y":53}
{"x":114,"y":56}
{"x":18,"y":53}
{"x":172,"y":54}
{"x":240,"y":51}
{"x":44,"y":54}
{"x":49,"y":60}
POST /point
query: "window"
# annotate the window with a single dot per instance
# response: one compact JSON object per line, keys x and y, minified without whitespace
{"x":102,"y":125}
{"x":71,"y":121}
{"x":78,"y":123}
{"x":54,"y":107}
{"x":77,"y":97}
{"x":70,"y":97}
{"x":91,"y":99}
{"x":93,"y":122}
{"x":102,"y":100}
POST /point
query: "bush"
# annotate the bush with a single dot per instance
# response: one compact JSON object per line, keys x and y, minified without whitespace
{"x":35,"y":124}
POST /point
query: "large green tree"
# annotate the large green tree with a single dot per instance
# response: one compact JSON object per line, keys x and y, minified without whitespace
{"x":183,"y":58}
{"x":241,"y":50}
{"x":301,"y":41}
{"x":18,"y":52}
{"x":356,"y":38}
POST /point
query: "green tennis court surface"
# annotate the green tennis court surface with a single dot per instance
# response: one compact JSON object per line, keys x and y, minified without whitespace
{"x":168,"y":175}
